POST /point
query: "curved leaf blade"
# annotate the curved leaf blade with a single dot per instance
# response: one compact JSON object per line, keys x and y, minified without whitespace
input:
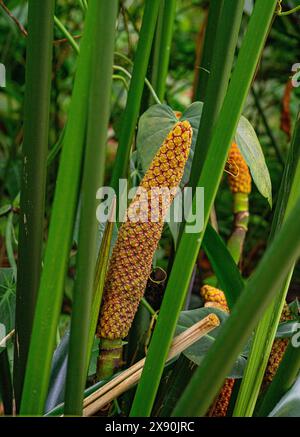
{"x":251,"y":150}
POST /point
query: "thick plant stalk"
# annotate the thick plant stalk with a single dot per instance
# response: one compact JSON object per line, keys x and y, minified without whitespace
{"x":215,"y":8}
{"x":32,"y":201}
{"x":131,"y":261}
{"x":213,"y":297}
{"x":49,"y":301}
{"x":163,"y":40}
{"x":93,"y":178}
{"x":239,"y":180}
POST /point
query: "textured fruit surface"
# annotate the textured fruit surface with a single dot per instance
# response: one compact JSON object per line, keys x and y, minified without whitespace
{"x":138,"y":237}
{"x":277,"y":352}
{"x":220,"y":407}
{"x":212,"y":295}
{"x":215,"y":298}
{"x":239,"y":177}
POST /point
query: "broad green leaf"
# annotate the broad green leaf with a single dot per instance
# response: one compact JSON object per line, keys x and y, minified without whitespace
{"x":197,"y":351}
{"x":289,"y":405}
{"x":251,"y":150}
{"x":154,"y":126}
{"x":7,"y":298}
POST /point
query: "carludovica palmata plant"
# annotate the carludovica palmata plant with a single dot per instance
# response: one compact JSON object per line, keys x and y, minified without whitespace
{"x":80,"y":148}
{"x":131,"y":262}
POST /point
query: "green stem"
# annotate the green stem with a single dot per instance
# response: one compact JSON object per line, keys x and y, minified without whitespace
{"x":284,"y":379}
{"x":189,"y":245}
{"x":214,"y":14}
{"x":290,"y":12}
{"x":110,"y":358}
{"x":60,"y":234}
{"x":32,"y":202}
{"x":147,"y":305}
{"x":93,"y":178}
{"x":162,"y":48}
{"x":151,"y":89}
{"x":66,"y":33}
{"x":222,"y":61}
{"x":131,"y":112}
{"x":236,"y":240}
{"x":255,"y":298}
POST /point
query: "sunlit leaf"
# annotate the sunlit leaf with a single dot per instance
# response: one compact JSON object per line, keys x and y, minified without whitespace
{"x":250,"y":147}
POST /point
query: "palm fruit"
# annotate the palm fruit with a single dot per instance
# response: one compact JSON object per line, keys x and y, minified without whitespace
{"x":239,"y":177}
{"x":277,"y":352}
{"x":221,"y":404}
{"x":131,"y":261}
{"x":213,"y":297}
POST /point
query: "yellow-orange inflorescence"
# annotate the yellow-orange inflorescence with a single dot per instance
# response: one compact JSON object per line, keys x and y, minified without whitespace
{"x":213,"y":297}
{"x":239,"y":177}
{"x":277,"y":352}
{"x":220,"y":407}
{"x":138,"y":237}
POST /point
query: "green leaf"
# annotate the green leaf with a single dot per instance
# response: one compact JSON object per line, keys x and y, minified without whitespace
{"x":229,"y":277}
{"x":5,"y":209}
{"x":251,"y":150}
{"x":154,"y":126}
{"x":287,"y":329}
{"x":198,"y":350}
{"x":289,"y":405}
{"x":7,"y":298}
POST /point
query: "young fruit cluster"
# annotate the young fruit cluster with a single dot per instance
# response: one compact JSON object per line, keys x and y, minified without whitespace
{"x":131,"y":262}
{"x":213,"y":297}
{"x":239,"y":177}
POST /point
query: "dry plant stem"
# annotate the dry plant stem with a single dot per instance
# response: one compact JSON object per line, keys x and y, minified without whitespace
{"x":7,"y":338}
{"x":131,"y":376}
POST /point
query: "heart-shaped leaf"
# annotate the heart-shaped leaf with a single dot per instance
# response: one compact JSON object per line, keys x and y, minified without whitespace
{"x":197,"y":351}
{"x":154,"y":126}
{"x":251,"y":150}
